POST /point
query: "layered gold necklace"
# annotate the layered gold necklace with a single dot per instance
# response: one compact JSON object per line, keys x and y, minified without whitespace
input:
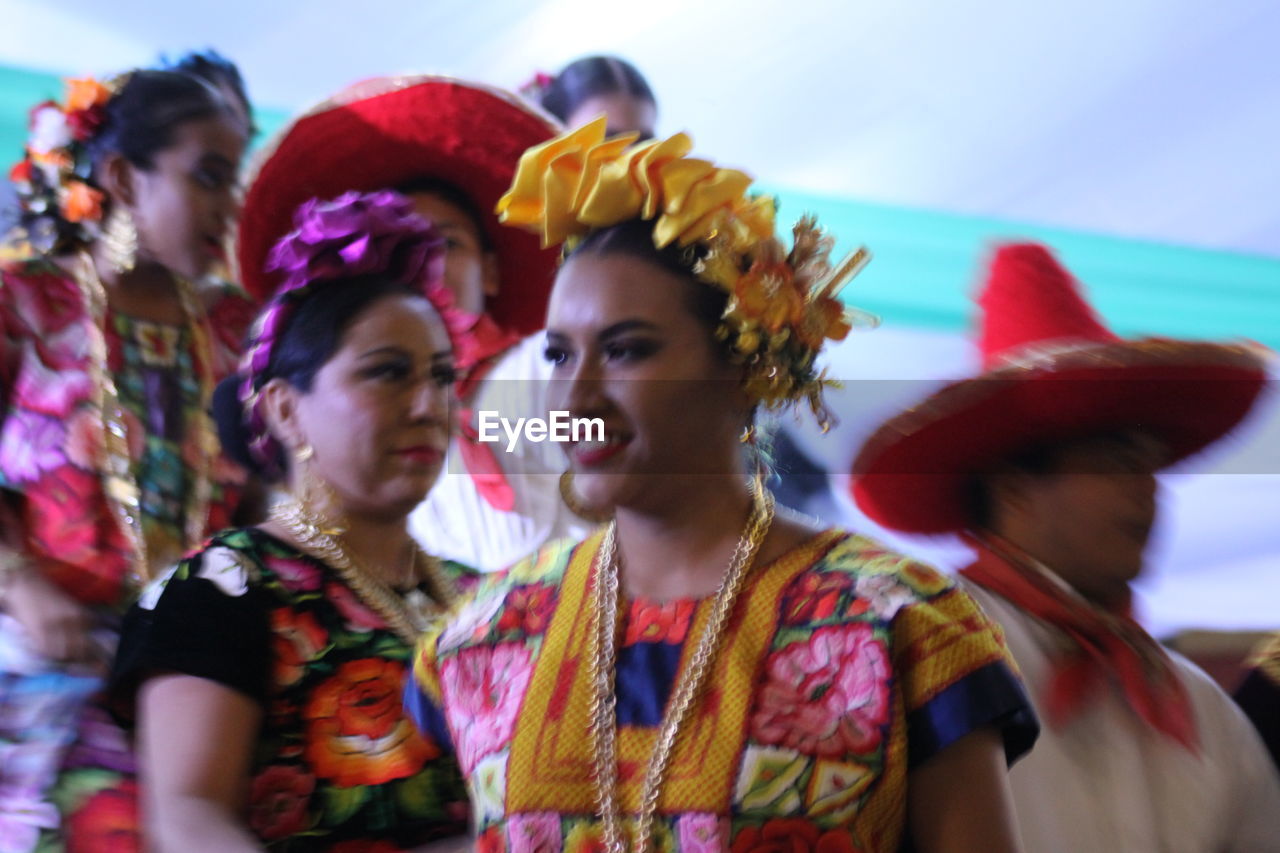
{"x":604,"y":657}
{"x":114,"y":461}
{"x":406,"y":614}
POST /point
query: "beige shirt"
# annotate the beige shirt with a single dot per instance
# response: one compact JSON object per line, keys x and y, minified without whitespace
{"x":1108,"y":782}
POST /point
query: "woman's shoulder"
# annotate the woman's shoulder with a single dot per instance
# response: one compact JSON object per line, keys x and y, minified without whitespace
{"x":237,"y":561}
{"x":548,"y":564}
{"x":881,"y":580}
{"x":39,"y":290}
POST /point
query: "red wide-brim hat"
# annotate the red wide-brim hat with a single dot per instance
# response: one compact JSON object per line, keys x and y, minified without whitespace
{"x":1053,"y":373}
{"x":384,"y":132}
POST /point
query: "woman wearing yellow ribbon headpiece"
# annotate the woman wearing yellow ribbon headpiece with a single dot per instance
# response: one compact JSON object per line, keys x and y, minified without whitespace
{"x":700,"y":674}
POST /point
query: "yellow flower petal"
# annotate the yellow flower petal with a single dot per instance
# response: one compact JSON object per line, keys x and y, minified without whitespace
{"x":693,"y":188}
{"x":600,"y":156}
{"x":525,"y":203}
{"x":649,"y":165}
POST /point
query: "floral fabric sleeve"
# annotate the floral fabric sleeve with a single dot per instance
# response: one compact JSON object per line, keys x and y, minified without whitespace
{"x":957,"y":676}
{"x":479,"y":593}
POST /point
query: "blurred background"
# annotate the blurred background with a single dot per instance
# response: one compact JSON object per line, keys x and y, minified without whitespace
{"x":1138,"y":138}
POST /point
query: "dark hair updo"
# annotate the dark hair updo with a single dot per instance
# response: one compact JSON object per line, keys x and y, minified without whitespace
{"x":139,"y":120}
{"x":310,"y":338}
{"x":591,"y":77}
{"x":144,"y":116}
{"x":221,"y":72}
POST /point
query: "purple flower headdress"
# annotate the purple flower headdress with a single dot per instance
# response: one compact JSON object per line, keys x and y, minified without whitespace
{"x":353,"y":235}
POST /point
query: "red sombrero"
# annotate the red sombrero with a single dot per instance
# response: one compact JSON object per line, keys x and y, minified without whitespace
{"x":1052,"y":372}
{"x":383,"y":132}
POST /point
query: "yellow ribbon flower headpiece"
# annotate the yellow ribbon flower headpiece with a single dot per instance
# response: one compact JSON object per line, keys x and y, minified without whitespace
{"x":783,"y":305}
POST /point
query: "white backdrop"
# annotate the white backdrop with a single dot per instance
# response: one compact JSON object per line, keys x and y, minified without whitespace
{"x":1142,"y":118}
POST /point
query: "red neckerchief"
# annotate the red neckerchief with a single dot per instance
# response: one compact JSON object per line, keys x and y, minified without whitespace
{"x":1106,"y":644}
{"x":485,"y":344}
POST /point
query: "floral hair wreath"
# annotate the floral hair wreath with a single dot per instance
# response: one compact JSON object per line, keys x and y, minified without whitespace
{"x":353,"y":235}
{"x":783,"y":305}
{"x":53,"y":178}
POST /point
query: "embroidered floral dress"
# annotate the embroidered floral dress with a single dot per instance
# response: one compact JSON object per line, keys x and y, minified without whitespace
{"x":843,"y":667}
{"x":51,"y":434}
{"x":50,"y":440}
{"x":338,"y":764}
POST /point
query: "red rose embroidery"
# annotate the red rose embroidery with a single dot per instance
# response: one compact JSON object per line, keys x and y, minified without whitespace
{"x":792,"y":836}
{"x":107,"y":822}
{"x":358,"y":733}
{"x":278,"y":802}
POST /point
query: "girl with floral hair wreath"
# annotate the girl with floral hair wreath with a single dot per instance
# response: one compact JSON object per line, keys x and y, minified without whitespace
{"x":703,"y":674}
{"x":111,"y":343}
{"x":265,"y":670}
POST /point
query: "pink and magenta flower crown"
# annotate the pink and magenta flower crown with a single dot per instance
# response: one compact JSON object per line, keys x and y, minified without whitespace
{"x":352,"y":236}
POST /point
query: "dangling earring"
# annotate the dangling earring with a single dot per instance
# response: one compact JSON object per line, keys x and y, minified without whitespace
{"x":757,"y":457}
{"x":120,"y":240}
{"x":575,"y":504}
{"x":314,"y":494}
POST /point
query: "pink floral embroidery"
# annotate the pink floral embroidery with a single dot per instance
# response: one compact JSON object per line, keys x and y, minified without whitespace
{"x":296,"y":575}
{"x":885,"y":592}
{"x":44,"y":302}
{"x":49,"y":388}
{"x":826,"y":696}
{"x":534,"y":833}
{"x":32,"y":444}
{"x":484,"y":688}
{"x":359,"y":618}
{"x":702,"y":833}
{"x":84,"y":439}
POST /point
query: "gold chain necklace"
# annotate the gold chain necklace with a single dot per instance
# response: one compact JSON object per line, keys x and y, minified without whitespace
{"x":115,"y":462}
{"x":604,"y":657}
{"x":406,"y":615}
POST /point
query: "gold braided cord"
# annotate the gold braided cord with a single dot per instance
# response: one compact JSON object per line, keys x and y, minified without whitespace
{"x":406,"y":617}
{"x":603,"y":654}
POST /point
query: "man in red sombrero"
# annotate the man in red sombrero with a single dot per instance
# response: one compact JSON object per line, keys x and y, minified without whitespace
{"x":452,"y":147}
{"x":1046,"y":464}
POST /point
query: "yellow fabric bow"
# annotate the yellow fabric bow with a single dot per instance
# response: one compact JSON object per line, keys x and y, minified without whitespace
{"x":782,"y":306}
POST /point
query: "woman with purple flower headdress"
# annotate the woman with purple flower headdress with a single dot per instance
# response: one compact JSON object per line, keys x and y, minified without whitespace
{"x":265,"y":670}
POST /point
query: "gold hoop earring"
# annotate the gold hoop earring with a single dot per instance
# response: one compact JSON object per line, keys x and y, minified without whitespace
{"x":120,"y":240}
{"x":576,"y":505}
